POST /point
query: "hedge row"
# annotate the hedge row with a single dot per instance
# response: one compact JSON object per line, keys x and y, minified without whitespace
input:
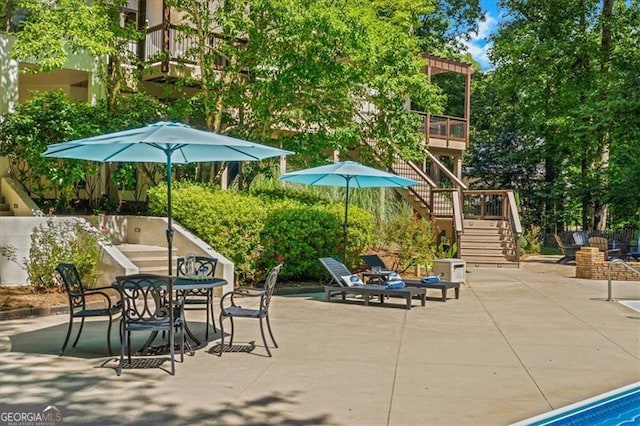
{"x":257,"y":232}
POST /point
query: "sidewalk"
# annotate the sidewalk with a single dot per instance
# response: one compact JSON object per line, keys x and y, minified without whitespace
{"x":516,"y":344}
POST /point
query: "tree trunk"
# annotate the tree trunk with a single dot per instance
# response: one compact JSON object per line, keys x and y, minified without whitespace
{"x":600,"y":208}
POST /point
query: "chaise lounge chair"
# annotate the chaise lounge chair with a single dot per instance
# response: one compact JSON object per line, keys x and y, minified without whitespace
{"x":373,"y":260}
{"x":568,"y":250}
{"x":341,"y":284}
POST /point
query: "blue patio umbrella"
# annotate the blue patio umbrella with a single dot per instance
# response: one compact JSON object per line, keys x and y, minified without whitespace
{"x":347,"y":174}
{"x":163,"y":142}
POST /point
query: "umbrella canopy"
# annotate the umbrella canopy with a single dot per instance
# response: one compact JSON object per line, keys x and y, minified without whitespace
{"x":348,"y":174}
{"x":163,"y":142}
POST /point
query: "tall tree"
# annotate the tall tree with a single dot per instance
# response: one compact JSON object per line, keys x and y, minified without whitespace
{"x":51,"y":31}
{"x":317,"y":75}
{"x":556,"y":63}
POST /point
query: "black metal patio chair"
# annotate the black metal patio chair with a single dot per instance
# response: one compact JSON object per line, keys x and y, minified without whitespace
{"x":149,"y":305}
{"x":230,"y":308}
{"x":200,"y":299}
{"x":77,"y":294}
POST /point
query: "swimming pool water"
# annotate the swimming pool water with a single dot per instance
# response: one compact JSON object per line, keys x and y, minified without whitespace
{"x":633,"y":304}
{"x":620,"y":407}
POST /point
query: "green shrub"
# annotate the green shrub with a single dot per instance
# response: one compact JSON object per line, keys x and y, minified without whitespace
{"x":53,"y":242}
{"x":531,"y":240}
{"x":257,"y":232}
{"x":410,"y":241}
{"x":300,"y":234}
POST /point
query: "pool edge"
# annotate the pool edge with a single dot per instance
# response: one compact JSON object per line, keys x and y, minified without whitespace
{"x":567,"y":408}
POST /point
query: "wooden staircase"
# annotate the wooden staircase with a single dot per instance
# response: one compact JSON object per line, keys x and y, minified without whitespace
{"x":484,"y":237}
{"x":148,"y":259}
{"x":488,"y":243}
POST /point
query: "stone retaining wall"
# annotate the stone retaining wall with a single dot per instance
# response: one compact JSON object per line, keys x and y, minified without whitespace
{"x":590,"y":264}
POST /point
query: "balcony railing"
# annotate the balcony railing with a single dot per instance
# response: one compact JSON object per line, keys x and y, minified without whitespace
{"x":172,"y":45}
{"x":444,"y":127}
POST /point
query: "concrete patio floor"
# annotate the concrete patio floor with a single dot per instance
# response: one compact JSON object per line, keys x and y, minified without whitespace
{"x":516,"y":344}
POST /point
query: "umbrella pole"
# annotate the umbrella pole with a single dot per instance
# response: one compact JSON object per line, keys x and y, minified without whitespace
{"x":345,"y":225}
{"x":169,"y":226}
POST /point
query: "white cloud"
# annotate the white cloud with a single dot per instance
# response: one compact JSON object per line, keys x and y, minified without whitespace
{"x":479,"y":45}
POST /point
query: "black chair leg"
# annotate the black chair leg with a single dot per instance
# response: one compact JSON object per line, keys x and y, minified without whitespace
{"x":206,"y":332}
{"x":79,"y":332}
{"x":270,"y":332}
{"x":232,"y":327}
{"x":213,"y":318}
{"x":109,"y":336}
{"x":122,"y":348}
{"x":182,"y":342}
{"x":263,"y":338}
{"x":129,"y":345}
{"x":66,"y":339}
{"x":221,"y":335}
{"x":172,"y":350}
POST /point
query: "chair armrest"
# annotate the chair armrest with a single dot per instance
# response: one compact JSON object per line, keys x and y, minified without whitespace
{"x":99,"y":291}
{"x":243,"y":294}
{"x":247,"y":290}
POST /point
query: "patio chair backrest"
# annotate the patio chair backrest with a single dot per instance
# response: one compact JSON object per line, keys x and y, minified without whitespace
{"x":374,"y":261}
{"x":146,"y":298}
{"x":559,"y":242}
{"x":581,"y":238}
{"x":336,"y":270}
{"x":73,"y":285}
{"x":269,"y":286}
{"x":600,"y":243}
{"x":208,"y":263}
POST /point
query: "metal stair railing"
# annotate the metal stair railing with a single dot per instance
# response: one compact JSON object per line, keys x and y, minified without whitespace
{"x":609,"y":288}
{"x":423,"y":189}
{"x":514,"y":222}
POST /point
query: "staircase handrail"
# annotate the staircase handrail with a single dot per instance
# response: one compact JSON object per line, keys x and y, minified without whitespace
{"x":514,"y":220}
{"x":420,"y":173}
{"x":458,"y":219}
{"x":613,"y":262}
{"x":446,"y":171}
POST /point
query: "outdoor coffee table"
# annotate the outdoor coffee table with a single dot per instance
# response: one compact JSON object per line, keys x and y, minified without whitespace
{"x":442,"y":286}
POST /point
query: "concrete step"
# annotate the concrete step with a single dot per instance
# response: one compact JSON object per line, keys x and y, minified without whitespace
{"x":160,"y":270}
{"x":5,"y":209}
{"x":149,"y":259}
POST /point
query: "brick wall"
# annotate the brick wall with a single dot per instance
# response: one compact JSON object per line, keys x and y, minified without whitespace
{"x":590,"y":264}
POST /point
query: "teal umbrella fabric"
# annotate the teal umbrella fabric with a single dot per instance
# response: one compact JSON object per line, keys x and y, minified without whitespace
{"x":163,"y":142}
{"x":347,"y":174}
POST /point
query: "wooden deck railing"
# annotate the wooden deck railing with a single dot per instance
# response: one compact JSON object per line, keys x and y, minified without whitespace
{"x":496,"y":205}
{"x":444,"y":127}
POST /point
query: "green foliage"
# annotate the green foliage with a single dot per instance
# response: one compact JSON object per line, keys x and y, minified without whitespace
{"x":531,"y":240}
{"x":51,"y":117}
{"x":555,"y":117}
{"x":444,"y":250}
{"x":257,"y":232}
{"x":55,"y":241}
{"x":410,"y":241}
{"x":52,"y":31}
{"x":313,"y":65}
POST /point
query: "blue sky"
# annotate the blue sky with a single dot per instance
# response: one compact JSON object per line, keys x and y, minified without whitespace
{"x":478,"y":45}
